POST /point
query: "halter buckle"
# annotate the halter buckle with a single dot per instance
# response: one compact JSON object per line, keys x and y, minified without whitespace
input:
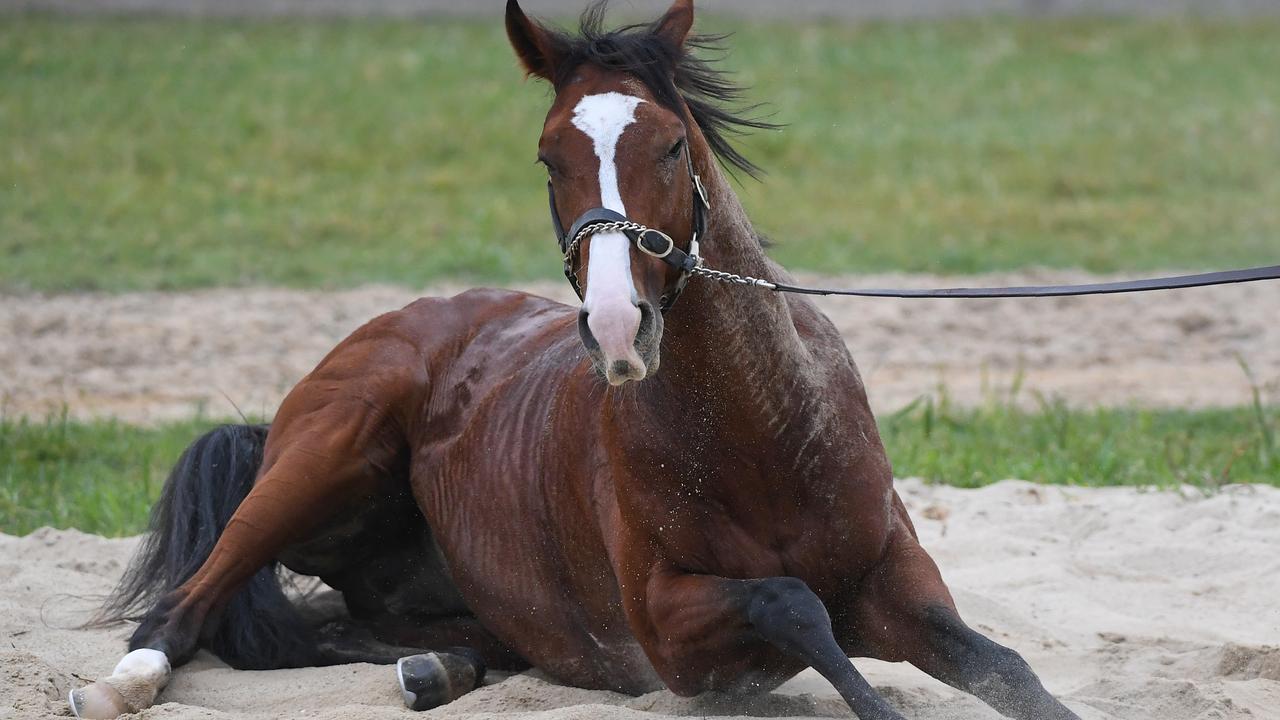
{"x":640,"y":243}
{"x":702,"y":191}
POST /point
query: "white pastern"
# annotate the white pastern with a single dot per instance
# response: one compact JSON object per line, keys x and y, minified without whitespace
{"x":144,"y":662}
{"x":610,"y":299}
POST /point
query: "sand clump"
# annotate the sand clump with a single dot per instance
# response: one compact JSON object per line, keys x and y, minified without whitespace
{"x":1131,"y":604}
{"x":147,"y":357}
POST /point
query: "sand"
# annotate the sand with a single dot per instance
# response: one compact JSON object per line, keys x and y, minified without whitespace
{"x":147,"y":357}
{"x":1130,"y":604}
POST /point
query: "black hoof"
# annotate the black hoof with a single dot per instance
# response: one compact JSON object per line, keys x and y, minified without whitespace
{"x":432,"y":679}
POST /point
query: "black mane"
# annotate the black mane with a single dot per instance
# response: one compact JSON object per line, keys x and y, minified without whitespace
{"x":712,"y":97}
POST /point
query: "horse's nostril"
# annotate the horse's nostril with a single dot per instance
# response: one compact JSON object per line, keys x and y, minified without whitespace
{"x":648,"y":323}
{"x":584,"y":331}
{"x":646,"y":313}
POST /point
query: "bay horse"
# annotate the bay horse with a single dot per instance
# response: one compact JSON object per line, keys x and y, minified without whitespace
{"x":627,"y":495}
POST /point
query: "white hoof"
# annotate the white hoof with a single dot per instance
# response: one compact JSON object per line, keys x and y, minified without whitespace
{"x":98,"y":701}
{"x":132,"y":687}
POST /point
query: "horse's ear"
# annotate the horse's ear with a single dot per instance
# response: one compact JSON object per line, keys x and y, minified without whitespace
{"x":676,"y":24}
{"x":537,"y":47}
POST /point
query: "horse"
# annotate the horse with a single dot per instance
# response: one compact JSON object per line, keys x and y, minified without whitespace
{"x":629,"y":494}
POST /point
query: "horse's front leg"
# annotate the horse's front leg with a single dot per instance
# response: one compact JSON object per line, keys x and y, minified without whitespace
{"x":904,"y":612}
{"x":703,"y":626}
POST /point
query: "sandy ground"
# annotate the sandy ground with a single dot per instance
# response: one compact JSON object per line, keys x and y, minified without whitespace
{"x":1130,"y":604}
{"x":146,"y":357}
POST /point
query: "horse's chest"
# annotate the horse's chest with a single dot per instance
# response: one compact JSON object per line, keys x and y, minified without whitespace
{"x":823,"y":538}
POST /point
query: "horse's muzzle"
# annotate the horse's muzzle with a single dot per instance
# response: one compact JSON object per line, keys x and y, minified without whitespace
{"x":622,"y":341}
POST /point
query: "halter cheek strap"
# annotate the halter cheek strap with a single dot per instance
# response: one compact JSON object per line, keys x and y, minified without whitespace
{"x":647,"y":240}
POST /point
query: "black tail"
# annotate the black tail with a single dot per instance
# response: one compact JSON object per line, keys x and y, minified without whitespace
{"x":259,"y":628}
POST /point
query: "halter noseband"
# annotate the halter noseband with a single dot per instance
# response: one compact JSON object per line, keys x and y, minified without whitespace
{"x":649,"y":241}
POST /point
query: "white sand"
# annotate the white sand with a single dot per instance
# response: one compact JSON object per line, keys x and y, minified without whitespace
{"x":1130,"y":604}
{"x":150,"y":356}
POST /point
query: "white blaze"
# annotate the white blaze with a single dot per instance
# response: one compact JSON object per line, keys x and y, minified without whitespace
{"x":610,"y":299}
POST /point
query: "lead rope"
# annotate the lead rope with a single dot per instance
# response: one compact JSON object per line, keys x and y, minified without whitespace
{"x":698,"y":268}
{"x":1225,"y":277}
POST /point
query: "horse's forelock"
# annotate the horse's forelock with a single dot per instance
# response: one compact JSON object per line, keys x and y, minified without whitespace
{"x":675,"y":75}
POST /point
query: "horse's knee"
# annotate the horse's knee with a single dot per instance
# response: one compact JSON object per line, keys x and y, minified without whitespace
{"x":784,"y":609}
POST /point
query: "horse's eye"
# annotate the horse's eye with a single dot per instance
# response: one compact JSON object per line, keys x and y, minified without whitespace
{"x":546,"y":164}
{"x":674,"y":152}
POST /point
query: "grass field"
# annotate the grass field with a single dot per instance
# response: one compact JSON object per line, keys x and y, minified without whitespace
{"x":101,"y":477}
{"x":171,"y":154}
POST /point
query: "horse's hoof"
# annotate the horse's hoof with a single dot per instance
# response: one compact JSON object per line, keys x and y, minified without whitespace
{"x":430,"y":680}
{"x":98,"y":701}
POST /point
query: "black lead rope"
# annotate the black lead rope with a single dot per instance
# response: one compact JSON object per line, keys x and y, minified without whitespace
{"x":1225,"y":277}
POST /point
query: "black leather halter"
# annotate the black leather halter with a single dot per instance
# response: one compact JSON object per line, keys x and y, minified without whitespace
{"x":647,"y":240}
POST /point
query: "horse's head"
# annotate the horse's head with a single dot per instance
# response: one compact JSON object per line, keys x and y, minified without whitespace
{"x":617,"y":138}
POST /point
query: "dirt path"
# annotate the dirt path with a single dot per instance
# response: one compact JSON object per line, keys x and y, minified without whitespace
{"x":151,"y":356}
{"x":1131,"y":605}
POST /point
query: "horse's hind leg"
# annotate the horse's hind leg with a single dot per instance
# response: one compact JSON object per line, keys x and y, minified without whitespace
{"x":405,"y":609}
{"x":428,"y":678}
{"x":905,"y":612}
{"x":318,"y":461}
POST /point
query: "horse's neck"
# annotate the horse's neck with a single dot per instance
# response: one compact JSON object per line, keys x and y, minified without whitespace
{"x":736,"y":346}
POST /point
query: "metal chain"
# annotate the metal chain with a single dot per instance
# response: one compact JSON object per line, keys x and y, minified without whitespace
{"x":700,"y":270}
{"x":615,"y":226}
{"x":728,"y":277}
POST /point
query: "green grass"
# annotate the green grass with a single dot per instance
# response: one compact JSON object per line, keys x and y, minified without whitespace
{"x":172,"y":154}
{"x":971,"y":447}
{"x":102,"y":476}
